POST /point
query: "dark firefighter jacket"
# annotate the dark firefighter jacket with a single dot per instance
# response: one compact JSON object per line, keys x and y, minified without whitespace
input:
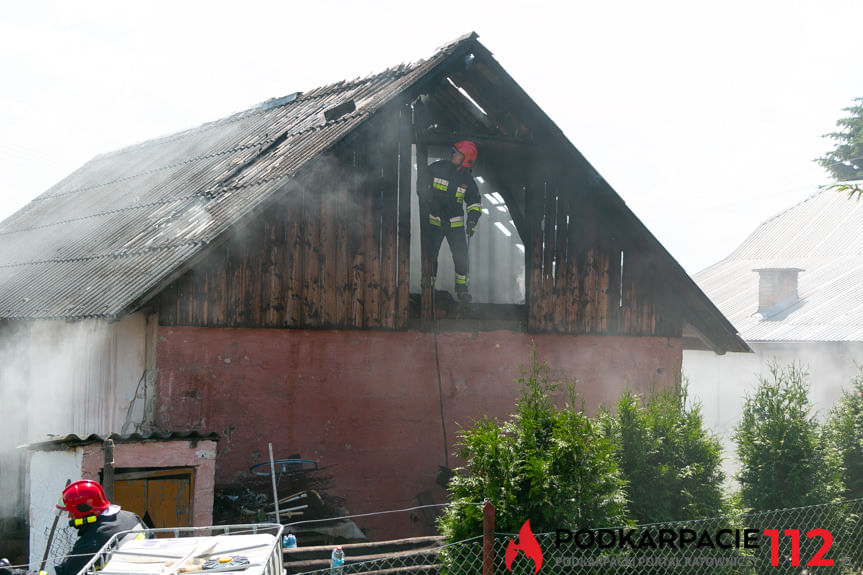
{"x":447,"y":192}
{"x":92,"y":536}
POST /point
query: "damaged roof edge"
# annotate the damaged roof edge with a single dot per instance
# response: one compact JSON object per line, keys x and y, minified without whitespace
{"x":414,"y":87}
{"x":64,"y":442}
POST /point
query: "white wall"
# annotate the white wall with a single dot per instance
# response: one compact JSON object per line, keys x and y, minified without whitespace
{"x":49,"y":471}
{"x":722,"y":382}
{"x":84,"y":375}
{"x":59,"y":377}
{"x":14,"y":385}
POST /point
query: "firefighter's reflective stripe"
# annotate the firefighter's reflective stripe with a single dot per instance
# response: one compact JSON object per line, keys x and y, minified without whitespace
{"x":475,"y":208}
{"x":456,"y":222}
{"x":434,"y":220}
{"x":459,"y":193}
{"x":460,"y":280}
{"x":82,"y":520}
{"x":440,"y":184}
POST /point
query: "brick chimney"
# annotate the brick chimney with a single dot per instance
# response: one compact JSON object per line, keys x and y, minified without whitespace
{"x":777,"y":289}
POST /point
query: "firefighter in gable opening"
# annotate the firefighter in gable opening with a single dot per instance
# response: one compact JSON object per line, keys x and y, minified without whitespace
{"x":447,"y":193}
{"x":96,"y":520}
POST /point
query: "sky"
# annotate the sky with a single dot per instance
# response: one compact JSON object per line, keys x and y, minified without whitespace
{"x":705,"y":117}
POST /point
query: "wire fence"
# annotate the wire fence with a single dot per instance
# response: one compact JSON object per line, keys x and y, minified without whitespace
{"x":824,"y":538}
{"x":800,"y":541}
{"x":60,"y":544}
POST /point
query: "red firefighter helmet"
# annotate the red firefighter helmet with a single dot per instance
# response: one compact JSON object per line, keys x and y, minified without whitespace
{"x":83,"y":498}
{"x":467,"y":148}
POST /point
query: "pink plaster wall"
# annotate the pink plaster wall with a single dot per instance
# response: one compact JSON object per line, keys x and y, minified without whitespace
{"x":200,"y":455}
{"x":366,"y":404}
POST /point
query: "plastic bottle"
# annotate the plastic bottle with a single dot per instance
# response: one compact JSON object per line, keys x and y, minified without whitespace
{"x":337,"y":561}
{"x":289,"y":541}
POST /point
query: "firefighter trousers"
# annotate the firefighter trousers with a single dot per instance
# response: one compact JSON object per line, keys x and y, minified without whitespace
{"x":458,"y":246}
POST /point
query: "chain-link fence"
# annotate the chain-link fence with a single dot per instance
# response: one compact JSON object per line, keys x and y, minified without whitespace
{"x":807,"y":540}
{"x":821,"y":538}
{"x":60,"y":544}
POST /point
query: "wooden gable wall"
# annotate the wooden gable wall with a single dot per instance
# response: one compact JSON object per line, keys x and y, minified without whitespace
{"x":587,"y":273}
{"x":591,"y":266}
{"x":331,"y":251}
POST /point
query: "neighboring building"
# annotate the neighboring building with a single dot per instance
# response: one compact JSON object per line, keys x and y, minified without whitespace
{"x":793,"y":290}
{"x":259,"y":277}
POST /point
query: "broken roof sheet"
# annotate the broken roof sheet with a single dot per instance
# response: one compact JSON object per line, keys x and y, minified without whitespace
{"x":63,"y":442}
{"x":109,"y":233}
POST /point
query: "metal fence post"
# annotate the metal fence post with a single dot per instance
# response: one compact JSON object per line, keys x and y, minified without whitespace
{"x":487,"y":538}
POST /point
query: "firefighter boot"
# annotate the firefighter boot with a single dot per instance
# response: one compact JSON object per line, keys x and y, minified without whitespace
{"x":462,"y":294}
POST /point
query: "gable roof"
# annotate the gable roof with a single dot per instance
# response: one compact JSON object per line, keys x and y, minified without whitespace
{"x":820,"y":235}
{"x":114,"y":233}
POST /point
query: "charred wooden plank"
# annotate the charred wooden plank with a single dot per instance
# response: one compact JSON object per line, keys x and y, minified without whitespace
{"x":328,"y":255}
{"x":561,"y":257}
{"x":255,"y":284}
{"x":404,"y":218}
{"x":293,"y":260}
{"x":574,"y":255}
{"x":372,"y":247}
{"x":614,"y":285}
{"x":602,"y":282}
{"x":587,"y":272}
{"x":312,"y":254}
{"x":535,"y":201}
{"x":236,"y":286}
{"x":549,"y":222}
{"x":357,"y":231}
{"x":389,"y":213}
{"x":342,"y":277}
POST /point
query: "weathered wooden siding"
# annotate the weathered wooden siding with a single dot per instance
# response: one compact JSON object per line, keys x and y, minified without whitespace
{"x":587,"y":275}
{"x":575,"y":229}
{"x":331,"y":251}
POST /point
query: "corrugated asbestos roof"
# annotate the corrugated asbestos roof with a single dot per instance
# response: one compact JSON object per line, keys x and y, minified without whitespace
{"x":822,"y":235}
{"x":104,"y":237}
{"x":60,"y":443}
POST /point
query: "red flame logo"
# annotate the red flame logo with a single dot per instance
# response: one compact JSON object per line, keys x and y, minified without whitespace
{"x":526,"y":542}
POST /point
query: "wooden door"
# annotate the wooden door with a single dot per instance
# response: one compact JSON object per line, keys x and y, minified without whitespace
{"x":162,"y":497}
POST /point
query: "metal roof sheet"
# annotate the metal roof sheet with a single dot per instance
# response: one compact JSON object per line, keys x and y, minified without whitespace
{"x":822,"y":236}
{"x":102,"y":238}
